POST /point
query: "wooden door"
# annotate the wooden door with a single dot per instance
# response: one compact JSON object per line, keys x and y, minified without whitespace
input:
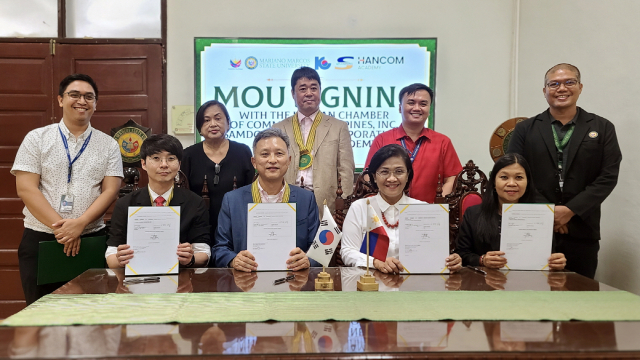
{"x":129,"y":79}
{"x":26,"y":91}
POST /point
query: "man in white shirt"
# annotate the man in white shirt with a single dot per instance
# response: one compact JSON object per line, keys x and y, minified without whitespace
{"x":321,"y":150}
{"x":67,"y":175}
{"x":160,"y":156}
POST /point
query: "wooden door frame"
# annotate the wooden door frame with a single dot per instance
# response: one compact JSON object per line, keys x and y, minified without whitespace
{"x":62,"y":39}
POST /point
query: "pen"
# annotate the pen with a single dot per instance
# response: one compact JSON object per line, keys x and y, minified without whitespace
{"x":140,"y":280}
{"x":283,"y":280}
{"x":477,"y":270}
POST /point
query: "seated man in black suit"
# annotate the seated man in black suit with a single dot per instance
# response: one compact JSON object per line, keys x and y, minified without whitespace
{"x":160,"y":157}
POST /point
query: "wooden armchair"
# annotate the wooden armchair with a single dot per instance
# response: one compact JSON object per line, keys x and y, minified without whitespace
{"x":468,"y":188}
{"x":181,"y":180}
{"x":362,"y":189}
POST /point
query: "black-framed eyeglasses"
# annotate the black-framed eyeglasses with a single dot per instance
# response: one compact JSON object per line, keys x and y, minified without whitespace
{"x":88,"y":97}
{"x":216,"y":179}
{"x":568,"y":83}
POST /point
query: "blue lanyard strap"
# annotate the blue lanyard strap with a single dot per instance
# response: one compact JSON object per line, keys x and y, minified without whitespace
{"x":66,"y":147}
{"x":412,"y":155}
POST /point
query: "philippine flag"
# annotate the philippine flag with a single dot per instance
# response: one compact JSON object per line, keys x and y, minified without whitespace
{"x":327,"y":239}
{"x":378,"y":238}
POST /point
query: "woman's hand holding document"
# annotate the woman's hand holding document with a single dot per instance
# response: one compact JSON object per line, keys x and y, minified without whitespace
{"x":424,"y":237}
{"x":527,"y":235}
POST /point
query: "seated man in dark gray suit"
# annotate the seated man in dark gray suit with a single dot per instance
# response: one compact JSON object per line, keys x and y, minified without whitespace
{"x":271,"y":159}
{"x":160,"y":157}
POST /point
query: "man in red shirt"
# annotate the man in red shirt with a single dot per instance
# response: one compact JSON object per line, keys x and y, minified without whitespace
{"x":431,"y":153}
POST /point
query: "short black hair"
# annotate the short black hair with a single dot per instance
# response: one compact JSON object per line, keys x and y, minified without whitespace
{"x":64,"y":84}
{"x":411,"y":89}
{"x":486,"y":229}
{"x":564,"y":66}
{"x":304,"y":72}
{"x":204,"y":107}
{"x":384,"y":153}
{"x":158,"y":143}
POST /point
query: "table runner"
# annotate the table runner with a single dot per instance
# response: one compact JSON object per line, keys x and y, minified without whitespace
{"x":89,"y":309}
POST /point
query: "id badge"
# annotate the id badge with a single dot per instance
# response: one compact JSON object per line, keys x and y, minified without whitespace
{"x":66,"y":203}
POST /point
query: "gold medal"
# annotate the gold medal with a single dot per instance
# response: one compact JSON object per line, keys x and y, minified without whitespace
{"x":305,"y":161}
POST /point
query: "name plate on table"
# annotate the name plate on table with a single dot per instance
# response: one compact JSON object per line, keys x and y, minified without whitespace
{"x":271,"y":233}
{"x":424,"y":238}
{"x":153,"y":232}
{"x":527,"y":235}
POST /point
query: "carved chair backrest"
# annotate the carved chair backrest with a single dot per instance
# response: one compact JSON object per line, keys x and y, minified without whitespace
{"x":468,"y":188}
{"x":181,"y":180}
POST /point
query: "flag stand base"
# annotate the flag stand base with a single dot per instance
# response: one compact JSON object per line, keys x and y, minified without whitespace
{"x":367,"y":282}
{"x":324,"y":282}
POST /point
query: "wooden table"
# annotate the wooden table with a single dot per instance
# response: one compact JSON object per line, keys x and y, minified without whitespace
{"x":364,"y":339}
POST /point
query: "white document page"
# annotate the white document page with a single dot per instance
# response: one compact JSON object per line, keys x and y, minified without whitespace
{"x":271,"y":233}
{"x":527,"y":235}
{"x":424,"y":238}
{"x":153,"y":232}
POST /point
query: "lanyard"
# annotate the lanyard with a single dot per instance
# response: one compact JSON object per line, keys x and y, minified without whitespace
{"x":412,"y":155}
{"x":66,"y":147}
{"x":565,"y":140}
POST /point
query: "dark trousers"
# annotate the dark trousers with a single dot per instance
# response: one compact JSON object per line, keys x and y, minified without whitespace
{"x":28,"y":262}
{"x":581,"y":254}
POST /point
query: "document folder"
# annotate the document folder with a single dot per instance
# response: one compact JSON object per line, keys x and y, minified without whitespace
{"x":55,"y":266}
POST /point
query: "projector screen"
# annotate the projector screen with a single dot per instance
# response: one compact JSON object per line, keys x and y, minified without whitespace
{"x":360,"y":81}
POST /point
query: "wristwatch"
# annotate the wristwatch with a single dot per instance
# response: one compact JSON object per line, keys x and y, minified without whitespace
{"x":192,"y":261}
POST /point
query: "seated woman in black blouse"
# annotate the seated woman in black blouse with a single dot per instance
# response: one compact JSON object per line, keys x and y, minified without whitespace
{"x":478,"y":241}
{"x":217,"y":157}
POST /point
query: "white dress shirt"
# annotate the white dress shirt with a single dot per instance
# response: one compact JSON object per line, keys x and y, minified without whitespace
{"x":305,"y":128}
{"x":42,"y":152}
{"x":354,"y":228}
{"x":266,"y":198}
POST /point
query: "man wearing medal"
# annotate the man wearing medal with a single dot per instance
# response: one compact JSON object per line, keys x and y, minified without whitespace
{"x":271,"y":160}
{"x":160,"y":156}
{"x":432,"y":154}
{"x":575,"y":158}
{"x":322,"y":149}
{"x":67,"y":175}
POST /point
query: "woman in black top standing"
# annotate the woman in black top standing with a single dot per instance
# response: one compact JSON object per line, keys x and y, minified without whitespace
{"x":217,"y":157}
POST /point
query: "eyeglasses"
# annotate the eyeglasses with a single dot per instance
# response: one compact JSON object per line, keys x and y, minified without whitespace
{"x":157,"y":160}
{"x":385,"y":173}
{"x":216,"y":179}
{"x":568,"y":84}
{"x":89,"y":97}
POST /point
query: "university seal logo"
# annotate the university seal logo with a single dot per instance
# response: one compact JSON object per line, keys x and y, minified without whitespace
{"x":130,"y":137}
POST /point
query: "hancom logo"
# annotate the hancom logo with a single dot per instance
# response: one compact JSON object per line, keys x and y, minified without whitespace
{"x":344,"y":64}
{"x":321,"y":63}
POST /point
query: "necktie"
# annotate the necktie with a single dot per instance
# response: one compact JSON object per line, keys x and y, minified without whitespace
{"x":159,"y":201}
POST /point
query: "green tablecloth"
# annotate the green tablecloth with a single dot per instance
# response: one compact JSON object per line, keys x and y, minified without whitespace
{"x":321,"y":306}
